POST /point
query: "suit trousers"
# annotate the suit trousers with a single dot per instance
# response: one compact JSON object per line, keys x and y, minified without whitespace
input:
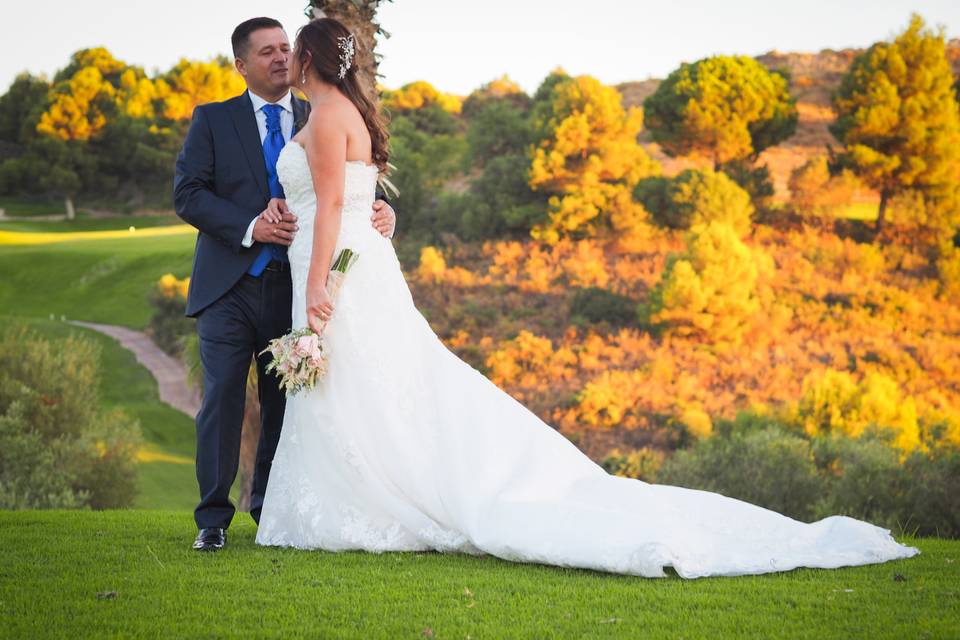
{"x":231,"y":330}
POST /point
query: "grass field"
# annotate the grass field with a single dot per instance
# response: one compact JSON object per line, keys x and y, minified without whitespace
{"x":132,"y":574}
{"x":89,"y":224}
{"x":27,"y":208}
{"x":99,"y":280}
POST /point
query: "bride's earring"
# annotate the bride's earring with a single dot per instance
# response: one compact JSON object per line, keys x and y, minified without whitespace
{"x":303,"y":76}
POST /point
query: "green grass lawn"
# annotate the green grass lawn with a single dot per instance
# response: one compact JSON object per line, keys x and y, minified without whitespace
{"x":32,"y":207}
{"x":104,"y":280}
{"x":83,"y":223}
{"x":132,"y":574}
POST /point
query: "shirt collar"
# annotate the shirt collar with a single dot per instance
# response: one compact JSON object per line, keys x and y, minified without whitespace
{"x":258,"y":102}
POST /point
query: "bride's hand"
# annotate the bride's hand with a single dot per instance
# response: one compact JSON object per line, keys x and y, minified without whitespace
{"x":275,"y":210}
{"x":319,"y":306}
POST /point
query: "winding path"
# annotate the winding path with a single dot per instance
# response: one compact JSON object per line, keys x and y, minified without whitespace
{"x":170,"y":374}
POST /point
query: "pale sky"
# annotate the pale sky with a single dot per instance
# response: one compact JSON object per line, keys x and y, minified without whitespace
{"x":458,"y":45}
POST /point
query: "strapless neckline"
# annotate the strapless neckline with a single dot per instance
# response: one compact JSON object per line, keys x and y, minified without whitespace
{"x":362,"y":163}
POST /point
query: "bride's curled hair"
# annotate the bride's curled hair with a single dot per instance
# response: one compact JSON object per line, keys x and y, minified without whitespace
{"x":321,"y":38}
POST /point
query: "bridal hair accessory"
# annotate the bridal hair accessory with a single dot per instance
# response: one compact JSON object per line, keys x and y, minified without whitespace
{"x":345,"y":44}
{"x":300,"y":357}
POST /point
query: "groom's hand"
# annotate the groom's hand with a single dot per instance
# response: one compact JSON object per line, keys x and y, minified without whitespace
{"x":281,"y":232}
{"x":384,"y":218}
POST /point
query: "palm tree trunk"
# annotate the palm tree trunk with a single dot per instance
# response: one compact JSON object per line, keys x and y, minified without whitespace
{"x":358,"y":16}
{"x":882,"y":211}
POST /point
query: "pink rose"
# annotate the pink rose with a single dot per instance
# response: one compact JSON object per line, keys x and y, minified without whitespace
{"x":306,"y":345}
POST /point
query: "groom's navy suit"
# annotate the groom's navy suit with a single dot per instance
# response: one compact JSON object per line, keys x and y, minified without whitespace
{"x":220,"y":186}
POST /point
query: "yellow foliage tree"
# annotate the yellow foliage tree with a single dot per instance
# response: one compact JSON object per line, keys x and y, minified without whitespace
{"x":589,"y":162}
{"x":702,"y":196}
{"x":79,"y":107}
{"x":192,"y":83}
{"x":432,"y":265}
{"x":710,"y":291}
{"x":420,"y":94}
{"x":833,"y":402}
{"x":898,"y":117}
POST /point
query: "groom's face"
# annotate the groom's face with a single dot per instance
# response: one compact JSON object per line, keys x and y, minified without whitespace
{"x":264,"y":65}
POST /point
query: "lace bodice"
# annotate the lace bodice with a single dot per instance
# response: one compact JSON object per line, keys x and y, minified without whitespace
{"x":294,"y":173}
{"x":356,"y":230}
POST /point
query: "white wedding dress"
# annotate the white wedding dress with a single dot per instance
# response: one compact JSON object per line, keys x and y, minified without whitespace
{"x":404,"y":447}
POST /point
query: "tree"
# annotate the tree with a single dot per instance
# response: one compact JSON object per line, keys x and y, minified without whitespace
{"x":424,"y":161}
{"x":588,"y":160}
{"x":20,"y":108}
{"x":697,"y":197}
{"x":359,"y":17}
{"x":710,"y":291}
{"x":833,"y":401}
{"x":897,"y":116}
{"x":420,"y":94}
{"x":191,"y":83}
{"x":724,"y":108}
{"x":430,"y":110}
{"x":500,"y":90}
{"x":815,"y":194}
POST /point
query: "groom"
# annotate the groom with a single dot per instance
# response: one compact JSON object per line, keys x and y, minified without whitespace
{"x":240,"y":289}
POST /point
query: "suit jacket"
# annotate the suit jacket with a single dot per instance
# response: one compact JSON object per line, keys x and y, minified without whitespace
{"x":219,"y":186}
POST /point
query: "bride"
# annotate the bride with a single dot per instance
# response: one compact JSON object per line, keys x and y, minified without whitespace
{"x":405,"y":447}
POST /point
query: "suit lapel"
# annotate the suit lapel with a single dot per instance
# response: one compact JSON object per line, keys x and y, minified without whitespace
{"x":301,"y":109}
{"x":246,"y":124}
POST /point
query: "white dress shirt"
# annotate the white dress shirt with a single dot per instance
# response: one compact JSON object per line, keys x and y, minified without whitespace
{"x":286,"y":127}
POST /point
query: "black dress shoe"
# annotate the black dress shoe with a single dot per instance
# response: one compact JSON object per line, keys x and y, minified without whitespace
{"x":210,"y":539}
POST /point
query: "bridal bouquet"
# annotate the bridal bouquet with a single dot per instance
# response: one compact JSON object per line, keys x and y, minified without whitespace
{"x":300,"y":357}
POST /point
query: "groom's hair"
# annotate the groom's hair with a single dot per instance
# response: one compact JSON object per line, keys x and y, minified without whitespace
{"x":241,"y":35}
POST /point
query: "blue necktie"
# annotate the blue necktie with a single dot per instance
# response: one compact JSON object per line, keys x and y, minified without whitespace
{"x":272,"y":144}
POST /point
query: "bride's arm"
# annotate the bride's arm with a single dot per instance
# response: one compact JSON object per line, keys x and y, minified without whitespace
{"x":326,"y":148}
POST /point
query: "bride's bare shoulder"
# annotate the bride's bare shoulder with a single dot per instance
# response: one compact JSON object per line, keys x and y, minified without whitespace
{"x":325,"y":122}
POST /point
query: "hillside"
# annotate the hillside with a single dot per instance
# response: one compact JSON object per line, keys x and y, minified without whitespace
{"x":813,"y":77}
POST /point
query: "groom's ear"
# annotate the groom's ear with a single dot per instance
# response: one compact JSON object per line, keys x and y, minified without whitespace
{"x":241,"y":66}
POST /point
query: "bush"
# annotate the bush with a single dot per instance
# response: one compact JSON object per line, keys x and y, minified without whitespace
{"x":57,"y":448}
{"x":948,"y":273}
{"x":834,"y":402}
{"x":642,"y":464}
{"x":755,"y":181}
{"x":168,"y":326}
{"x":756,"y":459}
{"x":710,"y":291}
{"x":932,"y":499}
{"x":500,"y":202}
{"x":770,"y":468}
{"x":864,"y":479}
{"x":654,"y":194}
{"x":698,"y":197}
{"x":596,"y":305}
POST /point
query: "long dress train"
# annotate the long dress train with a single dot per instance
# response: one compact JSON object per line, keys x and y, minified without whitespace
{"x":403,"y":446}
